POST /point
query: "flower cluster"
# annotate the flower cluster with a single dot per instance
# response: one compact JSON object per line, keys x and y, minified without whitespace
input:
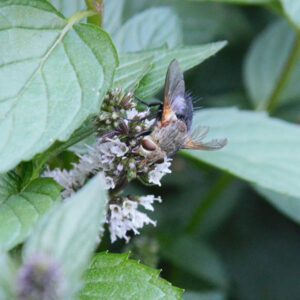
{"x":40,"y":278}
{"x":125,"y":216}
{"x":100,"y":157}
{"x":119,"y":129}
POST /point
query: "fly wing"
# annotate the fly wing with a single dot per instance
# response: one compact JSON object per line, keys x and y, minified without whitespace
{"x":194,"y":141}
{"x":214,"y":144}
{"x":174,"y":94}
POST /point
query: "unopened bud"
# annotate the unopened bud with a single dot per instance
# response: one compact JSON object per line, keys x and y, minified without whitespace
{"x":40,"y":278}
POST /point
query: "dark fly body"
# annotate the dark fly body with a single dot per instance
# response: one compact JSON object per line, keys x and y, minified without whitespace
{"x":173,"y":130}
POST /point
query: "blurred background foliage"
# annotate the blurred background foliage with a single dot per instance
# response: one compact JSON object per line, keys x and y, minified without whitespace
{"x":216,"y":236}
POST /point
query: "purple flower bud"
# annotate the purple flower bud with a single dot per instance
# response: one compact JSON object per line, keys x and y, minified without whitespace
{"x":40,"y":279}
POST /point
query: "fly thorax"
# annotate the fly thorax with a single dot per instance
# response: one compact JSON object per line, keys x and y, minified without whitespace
{"x":170,"y":137}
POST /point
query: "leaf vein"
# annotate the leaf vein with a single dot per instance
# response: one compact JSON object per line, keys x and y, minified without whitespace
{"x":30,"y":203}
{"x":64,"y":31}
{"x":5,"y":17}
{"x":30,"y":28}
{"x":17,"y":61}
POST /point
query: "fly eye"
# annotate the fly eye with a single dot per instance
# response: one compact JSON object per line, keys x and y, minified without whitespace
{"x":148,"y":145}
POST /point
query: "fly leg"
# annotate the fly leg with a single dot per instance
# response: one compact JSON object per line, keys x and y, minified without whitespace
{"x":142,"y":133}
{"x":156,"y":103}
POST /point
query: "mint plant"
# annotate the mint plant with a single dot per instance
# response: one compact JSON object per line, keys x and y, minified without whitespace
{"x":76,"y":81}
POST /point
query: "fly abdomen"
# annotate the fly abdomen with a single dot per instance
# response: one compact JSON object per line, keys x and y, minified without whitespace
{"x":184,"y":111}
{"x":170,"y":137}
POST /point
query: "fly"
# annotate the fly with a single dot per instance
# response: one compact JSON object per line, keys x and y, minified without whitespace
{"x":173,"y":131}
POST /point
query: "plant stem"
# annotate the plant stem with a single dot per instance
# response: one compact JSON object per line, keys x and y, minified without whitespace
{"x":270,"y":104}
{"x":79,"y":15}
{"x":208,"y":200}
{"x":97,"y":6}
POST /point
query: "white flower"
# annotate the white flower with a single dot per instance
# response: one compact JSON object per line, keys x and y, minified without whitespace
{"x":103,"y":150}
{"x":116,"y":147}
{"x":109,"y":182}
{"x":115,"y":211}
{"x":134,"y":113}
{"x":116,"y":224}
{"x":129,"y":207}
{"x":147,"y":201}
{"x":60,"y":176}
{"x":126,"y":217}
{"x":149,"y":123}
{"x":144,"y":114}
{"x":100,"y":157}
{"x":131,"y":113}
{"x":154,"y":176}
{"x":139,"y":219}
{"x":120,"y":167}
{"x":132,"y":143}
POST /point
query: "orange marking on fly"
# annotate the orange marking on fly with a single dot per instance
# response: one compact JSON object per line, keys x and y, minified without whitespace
{"x":172,"y":132}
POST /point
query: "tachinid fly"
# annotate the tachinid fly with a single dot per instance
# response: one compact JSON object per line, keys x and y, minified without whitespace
{"x":173,"y":131}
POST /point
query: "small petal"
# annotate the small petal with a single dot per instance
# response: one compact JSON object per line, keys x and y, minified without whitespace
{"x":126,"y":217}
{"x":149,"y":123}
{"x":109,"y":182}
{"x":146,"y":201}
{"x":155,"y":175}
{"x":131,"y":113}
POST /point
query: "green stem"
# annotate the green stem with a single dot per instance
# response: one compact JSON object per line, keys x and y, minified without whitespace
{"x":97,"y":7}
{"x":79,"y":15}
{"x":271,"y":103}
{"x":207,"y":202}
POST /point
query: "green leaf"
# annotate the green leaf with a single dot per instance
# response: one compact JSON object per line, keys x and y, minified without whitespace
{"x":7,"y":277}
{"x":112,"y":15}
{"x":114,"y":276}
{"x":191,"y":295}
{"x":202,"y":261}
{"x":69,"y":232}
{"x":261,"y":252}
{"x":67,"y":7}
{"x":292,"y":9}
{"x":272,"y":71}
{"x":53,"y":75}
{"x":207,"y":22}
{"x":188,"y":57}
{"x":21,"y":210}
{"x":10,"y":184}
{"x":239,"y":1}
{"x":147,"y":70}
{"x":289,"y":206}
{"x":215,"y":206}
{"x":133,"y":67}
{"x":149,"y":29}
{"x":202,"y":22}
{"x":80,"y":147}
{"x":81,"y":133}
{"x":258,"y":149}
